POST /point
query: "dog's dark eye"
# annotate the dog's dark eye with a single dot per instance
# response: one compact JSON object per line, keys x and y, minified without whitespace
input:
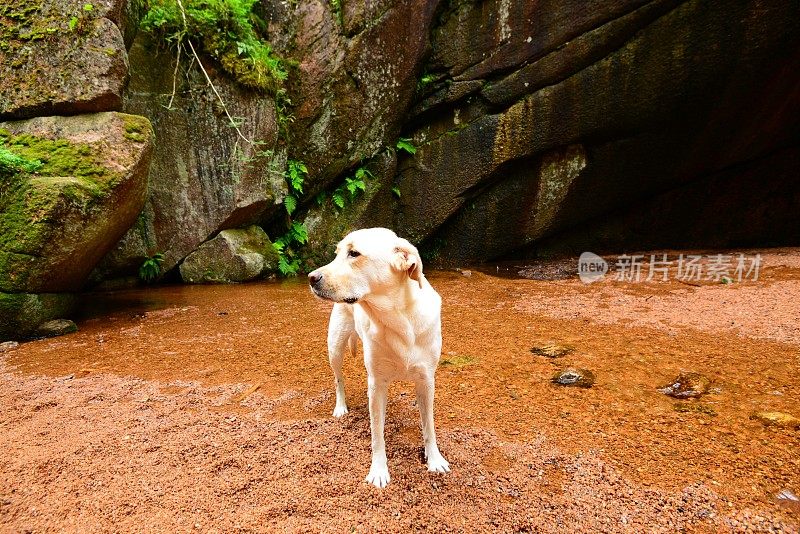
{"x":353,"y":254}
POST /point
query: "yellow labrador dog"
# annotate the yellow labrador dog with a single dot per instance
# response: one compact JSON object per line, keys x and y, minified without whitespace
{"x":383,"y":298}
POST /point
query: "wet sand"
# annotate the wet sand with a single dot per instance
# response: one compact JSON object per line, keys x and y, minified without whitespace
{"x":149,"y":419}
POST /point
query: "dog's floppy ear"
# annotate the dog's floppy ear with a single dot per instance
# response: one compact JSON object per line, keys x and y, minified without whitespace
{"x":406,"y":258}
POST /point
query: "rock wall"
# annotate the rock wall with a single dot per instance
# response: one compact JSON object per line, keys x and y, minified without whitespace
{"x":534,"y":120}
{"x":569,"y":114}
{"x":203,"y":176}
{"x":531,"y":121}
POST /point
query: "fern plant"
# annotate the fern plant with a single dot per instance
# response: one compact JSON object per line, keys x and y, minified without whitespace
{"x":296,"y":174}
{"x":285,"y":246}
{"x":151,"y":267}
{"x":406,"y":145}
{"x":352,"y":187}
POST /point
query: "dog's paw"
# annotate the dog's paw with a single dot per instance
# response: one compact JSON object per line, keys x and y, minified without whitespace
{"x":339,"y":411}
{"x":437,"y":464}
{"x":378,"y":477}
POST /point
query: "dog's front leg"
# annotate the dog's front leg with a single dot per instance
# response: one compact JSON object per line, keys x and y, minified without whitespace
{"x":425,"y":389}
{"x":341,"y":333}
{"x":379,"y":470}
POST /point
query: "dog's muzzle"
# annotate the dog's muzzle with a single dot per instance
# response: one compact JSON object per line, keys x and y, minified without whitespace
{"x":315,"y":282}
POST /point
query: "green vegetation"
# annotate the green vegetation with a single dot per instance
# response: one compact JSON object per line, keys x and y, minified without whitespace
{"x":296,"y":174}
{"x":406,"y":145}
{"x":54,"y":157}
{"x":336,"y":6}
{"x":26,"y":21}
{"x":353,"y":186}
{"x":136,"y":128}
{"x":396,"y":192}
{"x":151,"y":267}
{"x":425,"y":81}
{"x":39,"y":179}
{"x":288,"y":245}
{"x":227,"y":30}
{"x":287,"y":248}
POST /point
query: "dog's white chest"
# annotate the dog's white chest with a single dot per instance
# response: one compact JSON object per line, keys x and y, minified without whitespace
{"x":396,"y":354}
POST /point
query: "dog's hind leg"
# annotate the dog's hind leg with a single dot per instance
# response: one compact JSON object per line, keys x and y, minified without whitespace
{"x":341,"y":335}
{"x":425,"y":389}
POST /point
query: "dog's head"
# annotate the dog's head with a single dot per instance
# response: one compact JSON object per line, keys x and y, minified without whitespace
{"x":373,"y":261}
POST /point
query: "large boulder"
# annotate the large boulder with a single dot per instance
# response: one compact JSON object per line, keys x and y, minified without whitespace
{"x":84,"y":190}
{"x":61,"y":57}
{"x":232,"y":256}
{"x":204,"y":177}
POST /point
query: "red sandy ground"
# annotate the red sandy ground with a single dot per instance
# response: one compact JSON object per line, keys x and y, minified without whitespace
{"x":146,"y":419}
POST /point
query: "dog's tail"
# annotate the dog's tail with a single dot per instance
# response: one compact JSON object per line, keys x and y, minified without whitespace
{"x":352,"y":344}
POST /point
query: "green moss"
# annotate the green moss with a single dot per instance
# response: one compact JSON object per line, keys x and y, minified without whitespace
{"x":137,"y":128}
{"x":227,"y":30}
{"x":60,"y":176}
{"x":59,"y":157}
{"x":26,"y":21}
{"x":457,"y":360}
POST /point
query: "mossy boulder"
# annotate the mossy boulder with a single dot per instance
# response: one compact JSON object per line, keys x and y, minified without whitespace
{"x":84,"y":187}
{"x":22,"y":313}
{"x":232,"y":256}
{"x":61,"y":57}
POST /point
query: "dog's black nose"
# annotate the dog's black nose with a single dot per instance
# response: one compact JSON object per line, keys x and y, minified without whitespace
{"x":314,"y":277}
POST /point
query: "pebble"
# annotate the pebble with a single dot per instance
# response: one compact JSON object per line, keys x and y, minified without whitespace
{"x":574,"y":377}
{"x":779,"y":419}
{"x":687,"y":385}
